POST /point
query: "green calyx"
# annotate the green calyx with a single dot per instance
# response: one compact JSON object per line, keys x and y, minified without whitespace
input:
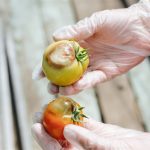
{"x":80,"y":54}
{"x":77,"y":115}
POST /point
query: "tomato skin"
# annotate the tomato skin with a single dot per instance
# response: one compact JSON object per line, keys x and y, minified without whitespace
{"x":54,"y":119}
{"x":64,"y":75}
{"x":54,"y":126}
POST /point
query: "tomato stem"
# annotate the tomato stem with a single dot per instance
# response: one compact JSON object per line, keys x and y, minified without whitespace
{"x":77,"y":114}
{"x":81,"y":55}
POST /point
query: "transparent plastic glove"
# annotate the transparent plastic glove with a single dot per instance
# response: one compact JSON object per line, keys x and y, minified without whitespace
{"x":45,"y":141}
{"x":94,"y":135}
{"x":117,"y":40}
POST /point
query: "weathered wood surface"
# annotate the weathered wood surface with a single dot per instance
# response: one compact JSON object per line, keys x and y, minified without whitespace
{"x":140,"y":81}
{"x":118,"y":103}
{"x":7,"y":134}
{"x":85,"y":8}
{"x":130,"y":2}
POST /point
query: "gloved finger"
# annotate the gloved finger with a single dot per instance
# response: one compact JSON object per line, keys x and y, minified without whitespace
{"x":92,"y":124}
{"x":108,"y":130}
{"x":68,"y":90}
{"x":38,"y":73}
{"x":88,"y":80}
{"x":84,"y":139}
{"x":43,"y":139}
{"x":80,"y":31}
{"x":101,"y":129}
{"x":52,"y":88}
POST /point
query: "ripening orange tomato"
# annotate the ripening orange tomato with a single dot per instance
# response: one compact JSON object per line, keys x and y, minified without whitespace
{"x":60,"y":112}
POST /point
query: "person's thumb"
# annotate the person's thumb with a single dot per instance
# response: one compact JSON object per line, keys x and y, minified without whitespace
{"x":84,"y":139}
{"x":80,"y":31}
{"x":88,"y":80}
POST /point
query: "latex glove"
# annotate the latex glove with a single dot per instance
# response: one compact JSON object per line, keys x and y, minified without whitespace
{"x":117,"y":40}
{"x":94,"y":136}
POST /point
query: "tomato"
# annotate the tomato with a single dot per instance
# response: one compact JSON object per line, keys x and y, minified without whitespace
{"x":60,"y":112}
{"x":64,"y":62}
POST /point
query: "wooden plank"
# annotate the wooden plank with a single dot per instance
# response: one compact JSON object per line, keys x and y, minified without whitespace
{"x":130,"y":2}
{"x":51,"y":11}
{"x":20,"y":100}
{"x":118,"y":103}
{"x":56,"y":14}
{"x":113,"y":4}
{"x":26,"y":41}
{"x":83,"y":10}
{"x":139,"y":77}
{"x":110,"y":97}
{"x":7,"y":136}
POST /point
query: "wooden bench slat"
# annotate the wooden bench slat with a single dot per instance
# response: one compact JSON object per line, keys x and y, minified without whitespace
{"x":29,"y":41}
{"x":140,"y":80}
{"x":26,"y":42}
{"x":56,"y":14}
{"x":7,"y":133}
{"x":118,"y":103}
{"x":86,"y":8}
{"x":88,"y":100}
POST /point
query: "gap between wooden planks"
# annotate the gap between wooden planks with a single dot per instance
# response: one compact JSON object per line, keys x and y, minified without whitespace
{"x":26,"y":42}
{"x":118,"y":103}
{"x":117,"y":106}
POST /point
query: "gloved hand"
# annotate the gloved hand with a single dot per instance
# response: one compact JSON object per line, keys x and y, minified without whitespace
{"x":117,"y":40}
{"x":94,"y":135}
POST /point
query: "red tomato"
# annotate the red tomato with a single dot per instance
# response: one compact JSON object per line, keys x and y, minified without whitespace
{"x":60,"y":112}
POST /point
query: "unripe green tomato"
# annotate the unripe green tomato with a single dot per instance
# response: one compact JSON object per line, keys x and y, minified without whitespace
{"x":64,"y":62}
